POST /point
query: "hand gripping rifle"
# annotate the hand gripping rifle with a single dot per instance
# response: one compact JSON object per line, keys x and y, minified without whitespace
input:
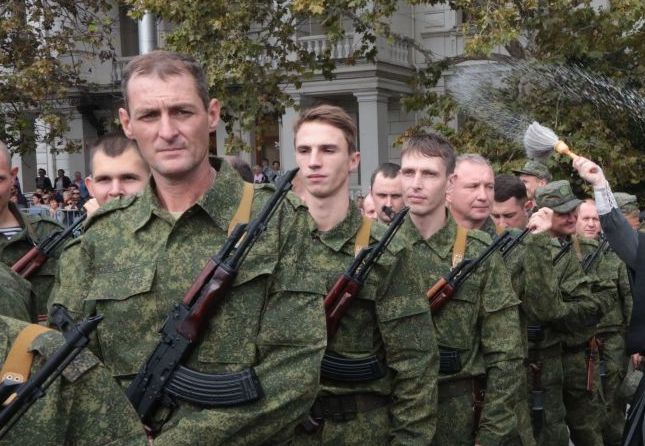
{"x":446,"y":287}
{"x":76,"y":338}
{"x":162,"y":378}
{"x":33,"y":259}
{"x":593,"y":350}
{"x":338,"y":300}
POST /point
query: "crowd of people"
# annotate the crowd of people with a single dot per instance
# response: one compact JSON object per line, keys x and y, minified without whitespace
{"x":494,"y":314}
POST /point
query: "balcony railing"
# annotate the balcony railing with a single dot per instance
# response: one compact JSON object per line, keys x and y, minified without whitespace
{"x":397,"y":52}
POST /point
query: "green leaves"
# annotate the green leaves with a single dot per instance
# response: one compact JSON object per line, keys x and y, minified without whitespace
{"x":42,"y":45}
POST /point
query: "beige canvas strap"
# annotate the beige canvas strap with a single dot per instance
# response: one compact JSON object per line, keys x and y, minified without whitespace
{"x":243,"y":213}
{"x":363,"y":235}
{"x":17,"y":365}
{"x":459,"y":247}
{"x":576,"y":247}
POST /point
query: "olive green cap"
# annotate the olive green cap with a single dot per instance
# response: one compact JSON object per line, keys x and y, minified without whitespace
{"x":558,"y":196}
{"x":534,"y":168}
{"x":626,"y":202}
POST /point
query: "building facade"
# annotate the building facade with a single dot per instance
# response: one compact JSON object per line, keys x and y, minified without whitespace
{"x":370,"y":92}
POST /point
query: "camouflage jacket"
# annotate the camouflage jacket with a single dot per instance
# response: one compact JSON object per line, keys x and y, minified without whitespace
{"x":82,"y":407}
{"x":34,"y":229}
{"x":138,"y":261}
{"x":394,"y":325}
{"x":610,"y":269}
{"x":581,"y":290}
{"x":15,"y":295}
{"x":534,"y":281}
{"x":481,"y":321}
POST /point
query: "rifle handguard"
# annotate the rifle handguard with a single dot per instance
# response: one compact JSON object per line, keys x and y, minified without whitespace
{"x":439,"y":295}
{"x":337,"y":302}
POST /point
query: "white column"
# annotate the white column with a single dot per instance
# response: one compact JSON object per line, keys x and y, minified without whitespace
{"x":372,"y":133}
{"x":220,"y":138}
{"x":287,"y":150}
{"x":147,"y":33}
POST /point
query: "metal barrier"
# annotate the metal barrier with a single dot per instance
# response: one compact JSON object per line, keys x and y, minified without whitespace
{"x":64,"y":216}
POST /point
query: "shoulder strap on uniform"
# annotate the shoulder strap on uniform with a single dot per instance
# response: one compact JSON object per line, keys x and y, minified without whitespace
{"x":363,"y":235}
{"x":459,"y":248}
{"x":243,"y":213}
{"x":576,"y":247}
{"x":17,"y":365}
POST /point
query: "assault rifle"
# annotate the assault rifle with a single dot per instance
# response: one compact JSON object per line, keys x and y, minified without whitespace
{"x":76,"y":338}
{"x":446,"y":287}
{"x":349,"y":284}
{"x":163,"y":378}
{"x":593,"y":350}
{"x":338,"y":300}
{"x":33,"y":259}
{"x":592,"y":257}
{"x":511,"y":243}
{"x":565,"y":248}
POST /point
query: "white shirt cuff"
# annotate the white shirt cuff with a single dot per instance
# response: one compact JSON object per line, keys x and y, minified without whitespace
{"x":605,"y":200}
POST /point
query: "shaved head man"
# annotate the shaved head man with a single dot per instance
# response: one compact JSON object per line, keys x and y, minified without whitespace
{"x":117,"y":170}
{"x":387,"y":191}
{"x":7,"y":176}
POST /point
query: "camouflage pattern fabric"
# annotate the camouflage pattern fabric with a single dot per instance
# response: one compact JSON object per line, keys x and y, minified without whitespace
{"x":584,"y":409}
{"x":15,"y":295}
{"x":534,"y":281}
{"x":137,"y":261}
{"x":481,"y":322}
{"x":611,"y":333}
{"x":34,"y":229}
{"x":552,"y":429}
{"x":82,"y":407}
{"x":391,"y":321}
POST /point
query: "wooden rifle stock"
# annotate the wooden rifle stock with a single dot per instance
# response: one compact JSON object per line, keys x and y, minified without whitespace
{"x":338,"y":300}
{"x":33,"y":259}
{"x":445,"y":288}
{"x":592,"y":354}
{"x":440,"y":293}
{"x":349,"y":284}
{"x":29,"y":263}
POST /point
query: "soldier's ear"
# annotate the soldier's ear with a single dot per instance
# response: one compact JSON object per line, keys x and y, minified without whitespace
{"x":14,"y":171}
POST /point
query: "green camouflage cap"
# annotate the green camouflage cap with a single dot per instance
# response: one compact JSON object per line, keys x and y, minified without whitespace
{"x":558,"y":196}
{"x":626,"y":202}
{"x":534,"y":168}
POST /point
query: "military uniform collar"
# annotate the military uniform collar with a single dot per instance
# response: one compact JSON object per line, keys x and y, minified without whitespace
{"x":27,"y":230}
{"x":219,"y":202}
{"x":489,"y":228}
{"x":339,"y":235}
{"x":440,"y":242}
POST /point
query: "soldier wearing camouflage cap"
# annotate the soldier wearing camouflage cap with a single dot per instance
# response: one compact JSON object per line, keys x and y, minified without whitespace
{"x":628,"y":205}
{"x":534,"y":174}
{"x":584,"y":409}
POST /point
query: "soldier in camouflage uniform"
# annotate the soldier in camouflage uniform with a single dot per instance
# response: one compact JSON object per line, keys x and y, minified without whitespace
{"x":15,"y":294}
{"x":612,"y":326}
{"x":533,"y":174}
{"x":140,"y":255}
{"x":84,"y":406}
{"x":538,"y":285}
{"x":25,"y":231}
{"x":396,"y":404}
{"x":628,"y":205}
{"x":583,"y":408}
{"x":478,"y":329}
